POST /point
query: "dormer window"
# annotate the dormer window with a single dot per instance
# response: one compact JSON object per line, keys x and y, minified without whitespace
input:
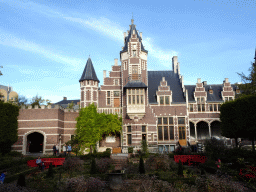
{"x":210,"y":90}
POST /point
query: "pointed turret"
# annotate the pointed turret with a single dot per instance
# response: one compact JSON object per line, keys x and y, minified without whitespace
{"x":89,"y":72}
{"x":133,"y":31}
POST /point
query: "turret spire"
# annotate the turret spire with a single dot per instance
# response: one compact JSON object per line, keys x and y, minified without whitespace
{"x":89,"y":72}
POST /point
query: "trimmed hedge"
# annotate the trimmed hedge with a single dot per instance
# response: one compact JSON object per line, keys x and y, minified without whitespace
{"x":12,"y":178}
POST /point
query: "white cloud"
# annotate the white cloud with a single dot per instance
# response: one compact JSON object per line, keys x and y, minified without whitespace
{"x":9,"y":40}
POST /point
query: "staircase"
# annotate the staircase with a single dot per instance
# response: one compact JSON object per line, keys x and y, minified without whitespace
{"x":119,"y":160}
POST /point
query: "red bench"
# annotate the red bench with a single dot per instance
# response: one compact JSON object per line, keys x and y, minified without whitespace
{"x":248,"y":174}
{"x":189,"y":159}
{"x":48,"y":161}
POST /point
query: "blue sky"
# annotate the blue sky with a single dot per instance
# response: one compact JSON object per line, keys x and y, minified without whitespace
{"x":45,"y":44}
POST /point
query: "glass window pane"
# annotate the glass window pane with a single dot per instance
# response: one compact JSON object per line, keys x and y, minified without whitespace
{"x":181,"y":120}
{"x":129,"y":98}
{"x":198,"y":100}
{"x":191,"y":107}
{"x":143,"y":128}
{"x":165,"y":133}
{"x":160,"y":133}
{"x":108,"y":93}
{"x":170,"y":120}
{"x":215,"y":107}
{"x":116,"y":93}
{"x":167,"y":100}
{"x":160,"y":120}
{"x":199,"y":108}
{"x":165,"y":120}
{"x":218,"y":107}
{"x":108,"y":101}
{"x":129,"y":139}
{"x":202,"y":99}
{"x":138,"y":99}
{"x":230,"y":98}
{"x":133,"y":99}
{"x":141,"y":91}
{"x":129,"y":91}
{"x":203,"y":107}
{"x":133,"y":91}
{"x":161,"y":100}
{"x":137,"y":91}
{"x":129,"y":129}
{"x":141,"y":99}
{"x":210,"y":107}
{"x":171,"y":131}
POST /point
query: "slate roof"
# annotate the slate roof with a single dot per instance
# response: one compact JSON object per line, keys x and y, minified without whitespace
{"x":66,"y":102}
{"x":154,"y":78}
{"x":89,"y":72}
{"x":127,"y":39}
{"x":137,"y":84}
{"x":214,"y":97}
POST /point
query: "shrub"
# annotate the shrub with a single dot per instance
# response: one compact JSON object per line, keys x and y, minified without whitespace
{"x":74,"y":185}
{"x":158,"y":163}
{"x":215,"y":148}
{"x":103,"y":164}
{"x":131,"y":168}
{"x":15,"y":154}
{"x":93,"y":167}
{"x":180,"y":169}
{"x":141,"y":166}
{"x":21,"y":181}
{"x":144,"y":146}
{"x":50,"y":172}
{"x":108,"y":150}
{"x":130,"y":149}
{"x":94,"y":184}
{"x":73,"y":164}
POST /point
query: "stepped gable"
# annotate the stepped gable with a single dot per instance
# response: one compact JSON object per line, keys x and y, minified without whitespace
{"x":127,"y":39}
{"x":89,"y":72}
{"x":154,"y":79}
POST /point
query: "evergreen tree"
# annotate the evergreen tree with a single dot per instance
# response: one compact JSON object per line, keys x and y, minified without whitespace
{"x":180,"y":169}
{"x":141,"y":166}
{"x":50,"y":172}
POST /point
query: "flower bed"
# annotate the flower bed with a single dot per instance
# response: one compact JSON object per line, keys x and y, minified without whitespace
{"x":189,"y":159}
{"x":248,"y":174}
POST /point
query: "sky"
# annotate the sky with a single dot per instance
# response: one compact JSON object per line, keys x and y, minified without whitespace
{"x":44,"y":44}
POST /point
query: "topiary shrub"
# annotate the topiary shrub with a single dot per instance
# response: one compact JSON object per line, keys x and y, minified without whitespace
{"x":50,"y":172}
{"x":93,"y":167}
{"x":73,"y":164}
{"x":158,"y":162}
{"x":141,"y":166}
{"x":103,"y":164}
{"x":21,"y":181}
{"x":180,"y":169}
{"x":94,"y":184}
{"x":130,"y":149}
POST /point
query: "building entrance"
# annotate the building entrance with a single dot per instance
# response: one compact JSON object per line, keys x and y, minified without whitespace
{"x":35,"y":142}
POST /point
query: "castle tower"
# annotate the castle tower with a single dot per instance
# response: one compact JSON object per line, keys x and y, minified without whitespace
{"x":134,"y":74}
{"x":89,"y":85}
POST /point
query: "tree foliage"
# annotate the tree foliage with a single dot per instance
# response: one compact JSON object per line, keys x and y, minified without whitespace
{"x":38,"y":100}
{"x":238,"y":118}
{"x":92,"y":125}
{"x":0,"y":71}
{"x":71,"y":105}
{"x":8,"y":126}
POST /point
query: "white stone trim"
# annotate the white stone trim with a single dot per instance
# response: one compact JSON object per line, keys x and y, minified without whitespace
{"x":25,"y":140}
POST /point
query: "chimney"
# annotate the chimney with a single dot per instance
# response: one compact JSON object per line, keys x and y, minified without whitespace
{"x":104,"y":74}
{"x":205,"y":82}
{"x":116,"y":62}
{"x":178,"y":67}
{"x":226,"y":80}
{"x":64,"y":98}
{"x":198,"y":80}
{"x":141,"y":35}
{"x":124,"y":36}
{"x":174,"y":63}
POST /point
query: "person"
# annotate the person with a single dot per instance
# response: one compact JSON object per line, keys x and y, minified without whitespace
{"x":57,"y":149}
{"x":64,"y":149}
{"x":2,"y":177}
{"x":39,"y":163}
{"x":43,"y":166}
{"x":69,"y":149}
{"x":54,"y":150}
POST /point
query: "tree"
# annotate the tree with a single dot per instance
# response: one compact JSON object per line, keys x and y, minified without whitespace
{"x":0,"y":71}
{"x":249,"y":86}
{"x":92,"y":125}
{"x":38,"y":100}
{"x":8,"y":126}
{"x":70,"y":105}
{"x":141,"y":166}
{"x":230,"y":124}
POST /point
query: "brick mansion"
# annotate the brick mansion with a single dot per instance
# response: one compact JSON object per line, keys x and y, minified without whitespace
{"x":155,"y":106}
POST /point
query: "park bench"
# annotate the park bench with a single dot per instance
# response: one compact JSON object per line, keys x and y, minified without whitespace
{"x":190,"y":159}
{"x":47,"y":162}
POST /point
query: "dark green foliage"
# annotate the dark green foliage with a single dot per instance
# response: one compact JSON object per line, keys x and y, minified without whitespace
{"x":130,"y":149}
{"x":180,"y":169}
{"x":141,"y":166}
{"x":214,"y":148}
{"x":108,"y":150}
{"x":93,"y":167}
{"x":21,"y":181}
{"x":144,"y":146}
{"x":50,"y":172}
{"x":8,"y":126}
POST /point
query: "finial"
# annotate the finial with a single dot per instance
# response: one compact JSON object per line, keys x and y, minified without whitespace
{"x":132,"y":18}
